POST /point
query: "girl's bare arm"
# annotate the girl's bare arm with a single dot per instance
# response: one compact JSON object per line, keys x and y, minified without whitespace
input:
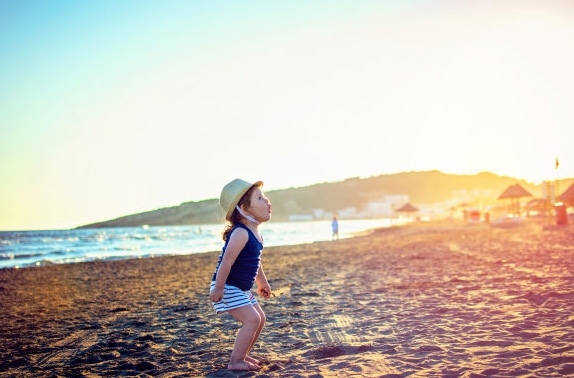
{"x":263,"y":286}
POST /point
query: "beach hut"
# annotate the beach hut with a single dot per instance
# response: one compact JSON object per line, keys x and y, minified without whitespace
{"x":568,"y":196}
{"x":514,"y":193}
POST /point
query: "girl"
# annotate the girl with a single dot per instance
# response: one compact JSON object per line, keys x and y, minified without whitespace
{"x":239,"y":267}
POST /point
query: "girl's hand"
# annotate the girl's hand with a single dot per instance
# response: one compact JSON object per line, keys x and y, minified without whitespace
{"x":264,"y":291}
{"x":216,"y":294}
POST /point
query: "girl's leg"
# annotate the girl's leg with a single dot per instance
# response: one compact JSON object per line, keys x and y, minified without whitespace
{"x":249,"y":317}
{"x":258,"y":332}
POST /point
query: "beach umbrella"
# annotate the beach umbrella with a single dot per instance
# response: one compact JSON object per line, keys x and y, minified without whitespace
{"x":408,"y":208}
{"x":568,"y":195}
{"x":514,"y":193}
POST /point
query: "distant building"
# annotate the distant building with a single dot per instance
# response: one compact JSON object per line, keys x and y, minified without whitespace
{"x":379,"y":209}
{"x":348,"y":212}
{"x":319,"y":213}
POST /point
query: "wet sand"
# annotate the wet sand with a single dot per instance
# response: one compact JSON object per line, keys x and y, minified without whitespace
{"x":435,"y":300}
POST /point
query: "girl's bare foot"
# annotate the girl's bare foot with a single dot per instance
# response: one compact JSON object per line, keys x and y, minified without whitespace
{"x":242,"y":366}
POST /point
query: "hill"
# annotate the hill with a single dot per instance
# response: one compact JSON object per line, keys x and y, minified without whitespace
{"x":428,"y":187}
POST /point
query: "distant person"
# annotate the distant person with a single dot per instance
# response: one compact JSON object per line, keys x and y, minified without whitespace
{"x":239,"y":267}
{"x":335,"y":227}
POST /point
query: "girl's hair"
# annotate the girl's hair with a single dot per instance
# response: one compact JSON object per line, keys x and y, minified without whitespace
{"x":235,"y":216}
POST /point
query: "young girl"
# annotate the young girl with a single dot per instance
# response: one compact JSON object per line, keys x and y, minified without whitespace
{"x":239,"y":267}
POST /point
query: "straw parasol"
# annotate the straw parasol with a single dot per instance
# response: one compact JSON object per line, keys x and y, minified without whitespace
{"x":408,"y":208}
{"x":568,"y":195}
{"x":514,"y":193}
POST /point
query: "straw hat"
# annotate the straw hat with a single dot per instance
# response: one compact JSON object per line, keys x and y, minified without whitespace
{"x":232,"y":193}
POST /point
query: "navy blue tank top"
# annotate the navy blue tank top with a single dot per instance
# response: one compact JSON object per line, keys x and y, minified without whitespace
{"x":244,"y":269}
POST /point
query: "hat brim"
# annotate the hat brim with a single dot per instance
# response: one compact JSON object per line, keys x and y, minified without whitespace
{"x":239,"y":197}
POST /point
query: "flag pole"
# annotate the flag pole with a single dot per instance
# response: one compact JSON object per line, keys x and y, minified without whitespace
{"x":556,"y":182}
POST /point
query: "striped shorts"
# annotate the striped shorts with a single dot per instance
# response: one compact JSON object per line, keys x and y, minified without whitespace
{"x":233,"y":297}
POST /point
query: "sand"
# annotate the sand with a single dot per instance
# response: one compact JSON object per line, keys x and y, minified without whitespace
{"x":433,"y":300}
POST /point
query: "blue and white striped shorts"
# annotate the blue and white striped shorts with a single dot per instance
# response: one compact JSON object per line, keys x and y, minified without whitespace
{"x":233,"y":297}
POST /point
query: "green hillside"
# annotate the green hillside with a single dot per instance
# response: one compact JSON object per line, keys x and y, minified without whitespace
{"x":429,"y":187}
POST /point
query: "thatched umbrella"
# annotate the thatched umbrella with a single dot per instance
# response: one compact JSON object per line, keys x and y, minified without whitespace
{"x":514,"y":193}
{"x":568,"y":195}
{"x":408,"y":208}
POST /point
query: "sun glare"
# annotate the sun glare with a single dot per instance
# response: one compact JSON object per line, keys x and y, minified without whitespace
{"x":317,"y":92}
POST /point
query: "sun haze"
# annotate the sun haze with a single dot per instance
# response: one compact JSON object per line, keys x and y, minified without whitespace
{"x":111,"y":108}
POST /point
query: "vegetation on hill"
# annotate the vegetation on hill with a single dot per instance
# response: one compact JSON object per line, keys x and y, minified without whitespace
{"x":422,"y":187}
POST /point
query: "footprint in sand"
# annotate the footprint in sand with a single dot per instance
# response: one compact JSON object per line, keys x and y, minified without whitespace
{"x":335,"y":330}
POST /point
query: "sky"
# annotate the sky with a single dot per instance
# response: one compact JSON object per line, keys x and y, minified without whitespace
{"x":109,"y":108}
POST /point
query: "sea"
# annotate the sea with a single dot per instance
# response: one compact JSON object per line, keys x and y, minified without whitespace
{"x":39,"y":248}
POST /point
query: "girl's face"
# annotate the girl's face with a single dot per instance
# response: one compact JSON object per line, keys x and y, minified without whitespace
{"x":260,"y":207}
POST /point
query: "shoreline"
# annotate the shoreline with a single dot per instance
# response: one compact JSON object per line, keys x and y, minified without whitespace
{"x":39,"y":248}
{"x":443,"y":299}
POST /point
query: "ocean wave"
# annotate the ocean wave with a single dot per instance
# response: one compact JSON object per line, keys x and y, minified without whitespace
{"x":31,"y":255}
{"x":14,"y":256}
{"x":33,"y":248}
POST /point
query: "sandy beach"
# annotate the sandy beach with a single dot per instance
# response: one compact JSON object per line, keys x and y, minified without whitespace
{"x":433,"y":300}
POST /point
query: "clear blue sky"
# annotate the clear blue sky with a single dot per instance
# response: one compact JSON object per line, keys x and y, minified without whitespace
{"x":113,"y":107}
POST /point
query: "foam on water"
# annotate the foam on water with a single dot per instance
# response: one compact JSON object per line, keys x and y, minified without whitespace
{"x":35,"y":248}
